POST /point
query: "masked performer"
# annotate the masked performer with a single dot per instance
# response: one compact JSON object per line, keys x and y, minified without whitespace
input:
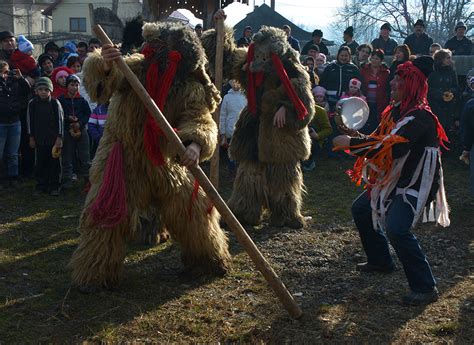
{"x":135,"y":171}
{"x":400,"y":163}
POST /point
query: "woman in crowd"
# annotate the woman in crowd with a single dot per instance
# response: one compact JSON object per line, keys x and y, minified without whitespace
{"x":374,"y":85}
{"x":443,"y":88}
{"x":401,"y":54}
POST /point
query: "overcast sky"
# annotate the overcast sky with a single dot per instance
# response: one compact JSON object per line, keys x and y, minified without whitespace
{"x":311,"y":13}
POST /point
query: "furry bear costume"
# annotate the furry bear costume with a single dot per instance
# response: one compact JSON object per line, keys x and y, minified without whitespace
{"x":153,"y":182}
{"x":269,"y":174}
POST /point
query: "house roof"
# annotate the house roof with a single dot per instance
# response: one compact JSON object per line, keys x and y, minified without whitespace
{"x":264,"y":15}
{"x":49,"y":10}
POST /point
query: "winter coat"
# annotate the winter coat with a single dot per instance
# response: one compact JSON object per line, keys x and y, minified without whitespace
{"x":294,"y":43}
{"x":45,"y":120}
{"x":58,"y":89}
{"x":459,"y":47}
{"x":388,"y":46}
{"x":440,"y":80}
{"x":468,"y":125}
{"x":231,"y":106}
{"x":76,"y":106}
{"x":320,"y":124}
{"x":97,"y":122}
{"x":25,"y":63}
{"x":13,"y":95}
{"x":322,"y":48}
{"x":379,"y":82}
{"x":419,"y":45}
{"x":335,"y":79}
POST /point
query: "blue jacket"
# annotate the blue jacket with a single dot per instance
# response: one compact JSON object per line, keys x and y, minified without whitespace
{"x":76,"y":106}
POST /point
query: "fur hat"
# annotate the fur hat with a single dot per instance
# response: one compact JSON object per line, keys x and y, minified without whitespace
{"x":319,"y":90}
{"x":460,"y":24}
{"x":60,"y":74}
{"x":420,"y":22}
{"x":70,"y":46}
{"x":72,"y":77}
{"x":386,"y":26}
{"x":355,"y":82}
{"x":349,"y":31}
{"x":45,"y":82}
{"x":317,"y":33}
{"x":24,"y":45}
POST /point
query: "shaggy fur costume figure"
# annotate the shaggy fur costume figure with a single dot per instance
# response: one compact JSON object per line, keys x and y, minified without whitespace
{"x":165,"y":189}
{"x":269,"y":173}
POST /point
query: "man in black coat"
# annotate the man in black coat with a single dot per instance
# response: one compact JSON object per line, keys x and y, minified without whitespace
{"x":419,"y":42}
{"x":317,"y":40}
{"x":459,"y":44}
{"x":384,"y":41}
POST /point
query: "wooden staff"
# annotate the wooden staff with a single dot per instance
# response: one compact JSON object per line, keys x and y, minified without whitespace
{"x":260,"y":262}
{"x":218,"y":82}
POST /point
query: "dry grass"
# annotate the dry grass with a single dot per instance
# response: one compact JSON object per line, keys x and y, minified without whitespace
{"x":37,"y":237}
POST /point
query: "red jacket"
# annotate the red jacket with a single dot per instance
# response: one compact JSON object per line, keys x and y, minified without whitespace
{"x":379,"y":82}
{"x":24,"y":62}
{"x":58,"y":89}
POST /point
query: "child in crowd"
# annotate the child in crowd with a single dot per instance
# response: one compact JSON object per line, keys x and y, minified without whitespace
{"x":45,"y":128}
{"x":76,"y":138}
{"x":354,"y":90}
{"x":22,"y":58}
{"x":70,"y":49}
{"x":231,"y":106}
{"x":319,"y":130}
{"x":74,"y":63}
{"x":319,"y":94}
{"x":96,"y":125}
{"x":58,"y":78}
{"x":320,"y":63}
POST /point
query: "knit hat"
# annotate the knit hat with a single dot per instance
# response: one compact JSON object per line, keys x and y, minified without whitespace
{"x":424,"y":64}
{"x":45,"y":82}
{"x":319,"y":90}
{"x":60,"y":74}
{"x":349,"y":31}
{"x":43,"y":57}
{"x":317,"y":33}
{"x":71,"y":78}
{"x":460,"y":24}
{"x":70,"y":46}
{"x":24,"y":45}
{"x":420,"y":22}
{"x":386,"y":26}
{"x":355,"y":82}
{"x":6,"y":34}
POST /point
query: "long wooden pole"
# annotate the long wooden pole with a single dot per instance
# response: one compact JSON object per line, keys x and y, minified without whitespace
{"x":218,"y":82}
{"x":260,"y":262}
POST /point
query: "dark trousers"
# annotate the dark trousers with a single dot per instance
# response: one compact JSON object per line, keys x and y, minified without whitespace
{"x":397,"y":229}
{"x":48,"y":169}
{"x":76,"y":150}
{"x":27,"y":162}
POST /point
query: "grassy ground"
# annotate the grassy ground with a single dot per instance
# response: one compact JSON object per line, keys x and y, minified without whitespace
{"x":38,"y":235}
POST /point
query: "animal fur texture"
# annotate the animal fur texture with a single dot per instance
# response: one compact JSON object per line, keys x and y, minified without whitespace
{"x":269,"y":175}
{"x":164,"y":190}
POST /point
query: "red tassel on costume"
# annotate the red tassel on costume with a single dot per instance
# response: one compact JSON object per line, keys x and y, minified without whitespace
{"x":253,"y":81}
{"x":301,"y":110}
{"x":151,"y":140}
{"x":110,"y":206}
{"x":194,"y":196}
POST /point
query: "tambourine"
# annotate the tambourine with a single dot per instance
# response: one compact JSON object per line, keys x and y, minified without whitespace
{"x":352,"y":112}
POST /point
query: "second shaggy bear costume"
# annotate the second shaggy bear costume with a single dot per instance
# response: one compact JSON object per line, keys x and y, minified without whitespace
{"x":269,"y":174}
{"x":133,"y":147}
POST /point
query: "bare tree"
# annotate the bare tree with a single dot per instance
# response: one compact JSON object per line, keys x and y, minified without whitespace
{"x":440,"y":17}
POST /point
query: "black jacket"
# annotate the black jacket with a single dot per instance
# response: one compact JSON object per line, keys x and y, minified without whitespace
{"x":468,"y":125}
{"x":459,"y":47}
{"x":419,"y":45}
{"x":440,"y":80}
{"x":335,"y":79}
{"x":388,"y":46}
{"x":45,"y":120}
{"x":13,"y":93}
{"x":322,"y":48}
{"x":78,"y":107}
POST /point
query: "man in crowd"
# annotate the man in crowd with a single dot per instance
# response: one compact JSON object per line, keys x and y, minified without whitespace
{"x":349,"y":40}
{"x":46,"y":64}
{"x":82,"y":50}
{"x":198,"y":30}
{"x":459,"y":44}
{"x":294,"y":43}
{"x":52,"y":50}
{"x":246,"y":38}
{"x":317,"y":40}
{"x":94,"y":44}
{"x":7,"y":45}
{"x":419,"y":42}
{"x":384,"y":41}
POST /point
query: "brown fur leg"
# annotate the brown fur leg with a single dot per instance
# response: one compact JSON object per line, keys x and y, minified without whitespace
{"x":151,"y":232}
{"x":203,"y":243}
{"x":249,"y":192}
{"x":285,"y":183}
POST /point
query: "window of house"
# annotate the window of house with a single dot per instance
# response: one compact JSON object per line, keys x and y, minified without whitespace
{"x":44,"y":24}
{"x":77,"y":24}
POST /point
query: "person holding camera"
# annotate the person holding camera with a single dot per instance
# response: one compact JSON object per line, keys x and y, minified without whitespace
{"x":13,"y":89}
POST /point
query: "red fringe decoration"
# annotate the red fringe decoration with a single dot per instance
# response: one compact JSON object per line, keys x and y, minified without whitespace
{"x":194,"y":196}
{"x":110,"y":207}
{"x":301,"y":110}
{"x":158,"y":90}
{"x":253,"y":81}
